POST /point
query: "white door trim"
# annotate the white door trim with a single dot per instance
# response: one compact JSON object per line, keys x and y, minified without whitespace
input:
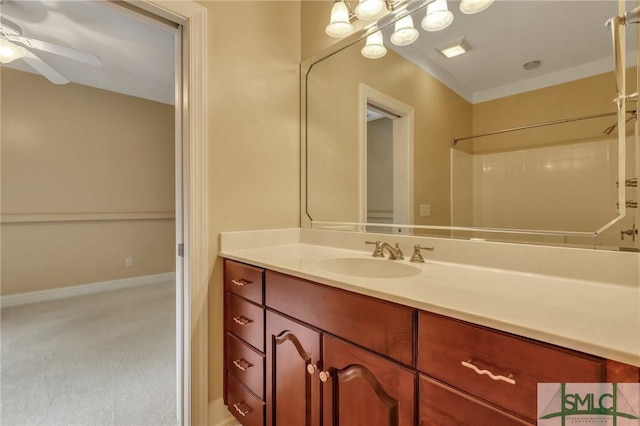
{"x":191,"y":117}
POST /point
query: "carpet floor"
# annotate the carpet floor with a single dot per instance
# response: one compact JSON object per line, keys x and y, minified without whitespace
{"x":96,"y":360}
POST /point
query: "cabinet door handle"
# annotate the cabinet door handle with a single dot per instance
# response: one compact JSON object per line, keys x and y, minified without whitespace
{"x":240,"y":410}
{"x":241,"y":282}
{"x":509,"y":379}
{"x":241,"y":320}
{"x":242,"y":364}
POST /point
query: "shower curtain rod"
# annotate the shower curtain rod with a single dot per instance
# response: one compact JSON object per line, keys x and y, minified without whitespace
{"x":454,"y":141}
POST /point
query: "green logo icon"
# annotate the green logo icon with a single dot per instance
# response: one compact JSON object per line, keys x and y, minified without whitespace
{"x":587,"y":400}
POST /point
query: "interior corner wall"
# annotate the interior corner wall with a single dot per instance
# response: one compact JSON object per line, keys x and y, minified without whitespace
{"x":87,"y":179}
{"x":253,"y":151}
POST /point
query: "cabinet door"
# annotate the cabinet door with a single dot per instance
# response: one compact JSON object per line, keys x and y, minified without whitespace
{"x":293,"y":386}
{"x":364,"y":388}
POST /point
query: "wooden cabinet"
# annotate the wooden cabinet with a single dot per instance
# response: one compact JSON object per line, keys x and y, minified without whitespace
{"x":244,"y":342}
{"x":383,"y":327}
{"x":365,"y":389}
{"x":302,"y":353}
{"x":465,"y":356}
{"x":293,"y":352}
{"x":342,"y":384}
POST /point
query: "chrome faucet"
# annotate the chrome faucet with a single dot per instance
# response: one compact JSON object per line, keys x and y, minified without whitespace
{"x":394,"y":252}
{"x":417,"y":256}
{"x":631,"y":232}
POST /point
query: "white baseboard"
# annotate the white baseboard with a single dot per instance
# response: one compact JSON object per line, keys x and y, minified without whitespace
{"x":79,"y":290}
{"x":219,"y":415}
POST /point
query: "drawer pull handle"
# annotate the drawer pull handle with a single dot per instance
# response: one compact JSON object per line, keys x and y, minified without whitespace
{"x":240,"y":410}
{"x":469,"y":364}
{"x":241,"y":320}
{"x":241,"y":282}
{"x":242,"y":364}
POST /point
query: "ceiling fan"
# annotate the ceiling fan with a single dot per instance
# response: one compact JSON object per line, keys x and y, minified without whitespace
{"x":15,"y":46}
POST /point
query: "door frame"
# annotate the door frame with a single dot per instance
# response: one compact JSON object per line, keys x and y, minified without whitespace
{"x":402,"y":153}
{"x":191,"y":207}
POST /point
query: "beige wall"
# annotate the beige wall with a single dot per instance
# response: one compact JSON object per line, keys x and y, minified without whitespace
{"x":75,"y":152}
{"x":587,"y":96}
{"x":254,"y":133}
{"x":333,"y":132}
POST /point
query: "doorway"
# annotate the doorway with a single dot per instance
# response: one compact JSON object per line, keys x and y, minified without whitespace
{"x":190,"y":181}
{"x":386,"y":167}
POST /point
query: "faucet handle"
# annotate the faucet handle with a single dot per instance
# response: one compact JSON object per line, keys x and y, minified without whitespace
{"x":377,"y":252}
{"x":417,"y":256}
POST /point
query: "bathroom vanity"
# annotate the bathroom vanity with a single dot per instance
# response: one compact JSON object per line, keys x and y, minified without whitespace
{"x":305,"y":350}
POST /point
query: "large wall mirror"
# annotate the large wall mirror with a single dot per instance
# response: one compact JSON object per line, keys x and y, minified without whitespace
{"x":517,"y":139}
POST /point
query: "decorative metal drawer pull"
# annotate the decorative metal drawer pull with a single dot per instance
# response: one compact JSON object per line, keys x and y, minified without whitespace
{"x":241,"y":320}
{"x":238,"y":408}
{"x":242,"y":364}
{"x":469,"y":364}
{"x":241,"y":282}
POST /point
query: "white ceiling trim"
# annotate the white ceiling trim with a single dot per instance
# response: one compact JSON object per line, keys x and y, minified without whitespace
{"x":552,"y":79}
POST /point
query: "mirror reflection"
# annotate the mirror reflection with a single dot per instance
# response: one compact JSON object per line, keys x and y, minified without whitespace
{"x":517,"y":133}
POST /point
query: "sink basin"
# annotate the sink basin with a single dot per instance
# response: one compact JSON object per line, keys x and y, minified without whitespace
{"x":368,"y":268}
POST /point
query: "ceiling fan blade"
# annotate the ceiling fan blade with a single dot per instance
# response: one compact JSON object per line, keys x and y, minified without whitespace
{"x":44,"y":69}
{"x":67,"y":52}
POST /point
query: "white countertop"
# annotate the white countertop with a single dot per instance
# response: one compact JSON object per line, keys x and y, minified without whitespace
{"x":594,"y":317}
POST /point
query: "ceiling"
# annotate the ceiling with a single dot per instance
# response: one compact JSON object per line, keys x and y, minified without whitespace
{"x":137,"y":53}
{"x":568,"y":37}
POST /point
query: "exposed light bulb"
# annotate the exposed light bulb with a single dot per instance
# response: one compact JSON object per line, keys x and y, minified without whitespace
{"x":438,"y":16}
{"x":374,"y":47}
{"x":9,"y":52}
{"x":404,"y":32}
{"x":474,"y":6}
{"x":368,"y":10}
{"x":339,"y":25}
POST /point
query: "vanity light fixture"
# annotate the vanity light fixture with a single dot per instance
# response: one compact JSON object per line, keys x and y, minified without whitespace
{"x":368,"y":10}
{"x":470,"y":7}
{"x":454,"y":48}
{"x":374,"y":47}
{"x":339,"y":24}
{"x":9,"y":52}
{"x":404,"y":33}
{"x":438,"y":16}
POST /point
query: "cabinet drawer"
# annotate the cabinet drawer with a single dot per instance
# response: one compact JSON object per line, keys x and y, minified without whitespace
{"x":383,"y":327}
{"x":245,"y":364}
{"x":441,"y":405}
{"x":444,"y":344}
{"x":245,"y":320}
{"x":244,"y":280}
{"x":245,"y":407}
